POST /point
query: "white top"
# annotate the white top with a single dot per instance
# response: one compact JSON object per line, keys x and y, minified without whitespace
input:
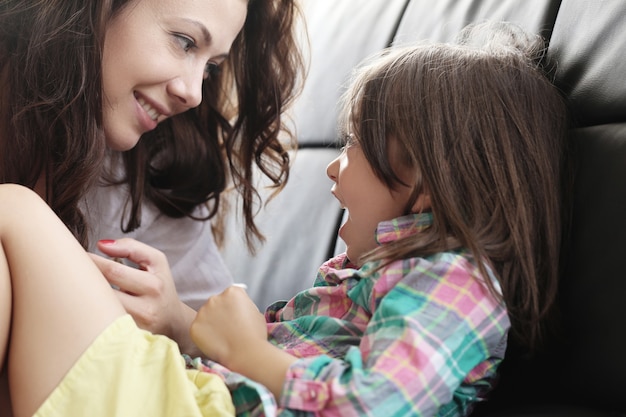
{"x":197,"y":266}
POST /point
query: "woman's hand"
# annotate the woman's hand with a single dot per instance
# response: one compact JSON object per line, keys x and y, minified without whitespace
{"x":229,"y":329}
{"x":147,"y":292}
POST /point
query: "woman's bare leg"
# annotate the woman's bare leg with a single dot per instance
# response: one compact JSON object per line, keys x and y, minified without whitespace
{"x":5,"y":327}
{"x":60,"y":301}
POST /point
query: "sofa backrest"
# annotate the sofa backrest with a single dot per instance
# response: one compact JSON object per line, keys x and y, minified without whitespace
{"x":587,"y":41}
{"x":441,"y":21}
{"x":301,"y":223}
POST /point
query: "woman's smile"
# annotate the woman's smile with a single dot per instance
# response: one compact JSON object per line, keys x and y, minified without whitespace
{"x":150,"y":113}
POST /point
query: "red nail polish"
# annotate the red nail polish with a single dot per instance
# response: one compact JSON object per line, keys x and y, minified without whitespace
{"x":106,"y":241}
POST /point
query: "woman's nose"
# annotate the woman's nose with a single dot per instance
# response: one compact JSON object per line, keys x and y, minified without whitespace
{"x":187,"y":88}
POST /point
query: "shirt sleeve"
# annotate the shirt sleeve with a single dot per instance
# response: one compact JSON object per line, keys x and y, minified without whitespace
{"x":432,"y":347}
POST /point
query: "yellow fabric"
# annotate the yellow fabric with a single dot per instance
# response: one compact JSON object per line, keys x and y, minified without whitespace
{"x":131,"y":372}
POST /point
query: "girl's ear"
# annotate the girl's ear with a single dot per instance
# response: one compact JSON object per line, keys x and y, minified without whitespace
{"x":422,"y":203}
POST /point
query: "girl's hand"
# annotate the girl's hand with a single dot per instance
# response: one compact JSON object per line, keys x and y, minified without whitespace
{"x":147,"y":292}
{"x":228,"y":325}
{"x":230,"y":330}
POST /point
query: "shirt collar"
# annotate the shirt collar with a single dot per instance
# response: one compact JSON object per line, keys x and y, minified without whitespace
{"x":391,"y":230}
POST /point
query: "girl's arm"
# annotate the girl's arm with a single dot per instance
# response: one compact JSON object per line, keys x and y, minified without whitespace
{"x":229,"y":329}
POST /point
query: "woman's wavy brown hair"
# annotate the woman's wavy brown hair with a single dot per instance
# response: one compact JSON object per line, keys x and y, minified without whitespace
{"x":484,"y":131}
{"x":51,"y":99}
{"x":51,"y":111}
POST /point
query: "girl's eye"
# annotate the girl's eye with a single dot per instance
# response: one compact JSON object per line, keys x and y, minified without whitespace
{"x":185,"y":42}
{"x":349,"y":140}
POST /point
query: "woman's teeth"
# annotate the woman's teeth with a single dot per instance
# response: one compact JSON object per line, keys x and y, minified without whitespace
{"x":149,"y":109}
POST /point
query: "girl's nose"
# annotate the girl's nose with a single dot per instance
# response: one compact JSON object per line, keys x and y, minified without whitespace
{"x":331,"y":169}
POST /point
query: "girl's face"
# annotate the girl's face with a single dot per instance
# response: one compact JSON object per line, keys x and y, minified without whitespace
{"x":366,"y":198}
{"x":156,"y":57}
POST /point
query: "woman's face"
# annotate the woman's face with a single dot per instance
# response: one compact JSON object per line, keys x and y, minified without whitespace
{"x":156,"y":57}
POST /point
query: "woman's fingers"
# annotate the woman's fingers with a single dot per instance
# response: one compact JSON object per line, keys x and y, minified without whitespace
{"x":145,"y":256}
{"x":123,"y":277}
{"x":151,"y":277}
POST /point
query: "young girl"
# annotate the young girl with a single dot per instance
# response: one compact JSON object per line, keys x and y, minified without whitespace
{"x":451,"y":177}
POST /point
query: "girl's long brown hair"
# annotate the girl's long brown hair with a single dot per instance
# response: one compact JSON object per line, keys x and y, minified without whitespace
{"x":51,"y":110}
{"x":484,"y":129}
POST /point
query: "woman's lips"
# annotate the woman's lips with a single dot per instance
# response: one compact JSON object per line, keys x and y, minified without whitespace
{"x":148,"y":113}
{"x":152,"y":112}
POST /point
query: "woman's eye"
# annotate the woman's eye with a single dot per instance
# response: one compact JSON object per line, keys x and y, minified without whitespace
{"x":185,"y":42}
{"x":211,"y":69}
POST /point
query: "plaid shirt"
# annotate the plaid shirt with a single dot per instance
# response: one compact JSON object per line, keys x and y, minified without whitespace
{"x":421,"y":336}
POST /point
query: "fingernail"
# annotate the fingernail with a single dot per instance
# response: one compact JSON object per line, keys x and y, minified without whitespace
{"x":106,"y":241}
{"x":240,"y":285}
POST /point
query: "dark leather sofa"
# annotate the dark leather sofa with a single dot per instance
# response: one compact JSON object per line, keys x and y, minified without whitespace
{"x":581,"y":375}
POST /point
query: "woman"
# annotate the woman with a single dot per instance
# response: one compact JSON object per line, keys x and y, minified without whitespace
{"x":207,"y":106}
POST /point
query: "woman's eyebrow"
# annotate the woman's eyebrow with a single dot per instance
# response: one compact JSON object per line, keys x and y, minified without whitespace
{"x":205,"y":32}
{"x":208,"y":39}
